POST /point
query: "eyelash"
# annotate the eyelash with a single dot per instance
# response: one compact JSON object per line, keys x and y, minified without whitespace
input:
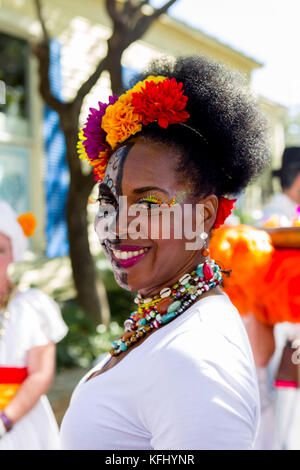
{"x":151,"y":199}
{"x":107,"y":199}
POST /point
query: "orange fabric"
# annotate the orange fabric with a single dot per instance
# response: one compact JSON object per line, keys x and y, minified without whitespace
{"x":280,"y":289}
{"x":264,"y":280}
{"x":7,"y":393}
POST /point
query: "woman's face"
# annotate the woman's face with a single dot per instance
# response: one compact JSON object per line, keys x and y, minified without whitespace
{"x":145,"y":242}
{"x":6,"y":257}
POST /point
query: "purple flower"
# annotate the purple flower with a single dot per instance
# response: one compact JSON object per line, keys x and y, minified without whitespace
{"x":95,"y":135}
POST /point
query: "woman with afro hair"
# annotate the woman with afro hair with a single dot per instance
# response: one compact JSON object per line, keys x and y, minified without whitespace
{"x":180,"y":143}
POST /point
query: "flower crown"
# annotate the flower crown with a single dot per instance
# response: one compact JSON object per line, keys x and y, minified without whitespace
{"x":155,"y":99}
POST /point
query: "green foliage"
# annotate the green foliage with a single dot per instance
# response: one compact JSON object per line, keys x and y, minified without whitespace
{"x":120,"y":301}
{"x":83,"y":343}
{"x":244,"y":217}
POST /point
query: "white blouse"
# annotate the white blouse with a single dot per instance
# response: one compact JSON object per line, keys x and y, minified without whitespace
{"x":35,"y":320}
{"x":190,"y":385}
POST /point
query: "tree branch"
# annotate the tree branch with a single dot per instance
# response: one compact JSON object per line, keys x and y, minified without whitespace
{"x":86,"y":87}
{"x":159,"y":11}
{"x":111,"y":7}
{"x":131,"y":10}
{"x":143,"y":24}
{"x":41,"y":19}
{"x":42,"y":52}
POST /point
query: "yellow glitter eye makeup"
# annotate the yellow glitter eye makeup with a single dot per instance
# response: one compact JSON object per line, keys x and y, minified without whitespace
{"x":151,"y":199}
{"x":154,"y":200}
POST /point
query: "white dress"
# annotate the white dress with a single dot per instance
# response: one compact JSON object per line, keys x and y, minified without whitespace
{"x":35,"y":320}
{"x":190,"y":385}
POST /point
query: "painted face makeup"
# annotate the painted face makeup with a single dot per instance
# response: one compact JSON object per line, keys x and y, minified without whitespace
{"x":145,"y":175}
{"x":109,"y":191}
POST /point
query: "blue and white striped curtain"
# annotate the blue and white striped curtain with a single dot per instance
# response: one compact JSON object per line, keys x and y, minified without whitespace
{"x":57,"y":173}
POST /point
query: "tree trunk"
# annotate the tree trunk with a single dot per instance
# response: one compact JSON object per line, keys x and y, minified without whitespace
{"x":80,"y":187}
{"x":115,"y":51}
{"x":83,"y":266}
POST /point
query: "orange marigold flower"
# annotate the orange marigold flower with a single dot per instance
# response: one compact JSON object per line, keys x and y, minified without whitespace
{"x":99,"y":165}
{"x":28,"y":223}
{"x":121,"y":121}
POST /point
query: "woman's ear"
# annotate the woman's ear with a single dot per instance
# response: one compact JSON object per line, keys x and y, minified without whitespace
{"x":210,"y":211}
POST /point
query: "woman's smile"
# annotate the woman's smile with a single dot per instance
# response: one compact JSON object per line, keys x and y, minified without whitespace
{"x":128,"y":255}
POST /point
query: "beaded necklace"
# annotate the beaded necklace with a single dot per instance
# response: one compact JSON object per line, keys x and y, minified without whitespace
{"x":156,"y":311}
{"x":4,"y":313}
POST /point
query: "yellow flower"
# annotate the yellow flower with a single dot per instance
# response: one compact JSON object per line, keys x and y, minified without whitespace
{"x":137,"y":88}
{"x":80,"y":147}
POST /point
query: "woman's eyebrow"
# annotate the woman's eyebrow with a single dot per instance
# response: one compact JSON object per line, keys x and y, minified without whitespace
{"x":149,"y":188}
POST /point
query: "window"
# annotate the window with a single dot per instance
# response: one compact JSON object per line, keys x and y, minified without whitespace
{"x":14,"y":112}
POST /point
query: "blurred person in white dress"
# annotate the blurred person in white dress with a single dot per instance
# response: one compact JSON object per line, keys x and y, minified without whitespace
{"x":30,"y":325}
{"x":277,"y":404}
{"x":286,"y":204}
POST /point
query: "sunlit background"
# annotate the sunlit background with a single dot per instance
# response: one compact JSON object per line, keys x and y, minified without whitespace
{"x":259,"y":38}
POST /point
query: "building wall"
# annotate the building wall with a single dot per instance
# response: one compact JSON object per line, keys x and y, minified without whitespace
{"x":16,"y":26}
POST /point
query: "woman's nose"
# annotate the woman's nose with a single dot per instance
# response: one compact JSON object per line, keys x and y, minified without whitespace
{"x":121,"y":228}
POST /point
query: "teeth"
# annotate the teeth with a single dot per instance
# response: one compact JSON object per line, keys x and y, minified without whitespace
{"x":128,"y":254}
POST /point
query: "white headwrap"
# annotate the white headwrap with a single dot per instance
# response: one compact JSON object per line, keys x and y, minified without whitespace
{"x":10,"y":226}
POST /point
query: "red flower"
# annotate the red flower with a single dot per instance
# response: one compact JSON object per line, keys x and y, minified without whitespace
{"x":224,"y":210}
{"x":163,"y":102}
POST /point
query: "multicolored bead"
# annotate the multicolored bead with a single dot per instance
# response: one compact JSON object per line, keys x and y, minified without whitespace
{"x":171,"y":302}
{"x":167,"y":317}
{"x":174,"y":306}
{"x":208,"y":272}
{"x":184,"y":279}
{"x":163,"y":305}
{"x":165,"y":292}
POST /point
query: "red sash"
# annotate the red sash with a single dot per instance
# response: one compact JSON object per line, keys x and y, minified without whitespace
{"x":13,"y":375}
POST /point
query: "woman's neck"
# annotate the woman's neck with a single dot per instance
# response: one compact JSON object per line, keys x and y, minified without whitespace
{"x":150,"y":292}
